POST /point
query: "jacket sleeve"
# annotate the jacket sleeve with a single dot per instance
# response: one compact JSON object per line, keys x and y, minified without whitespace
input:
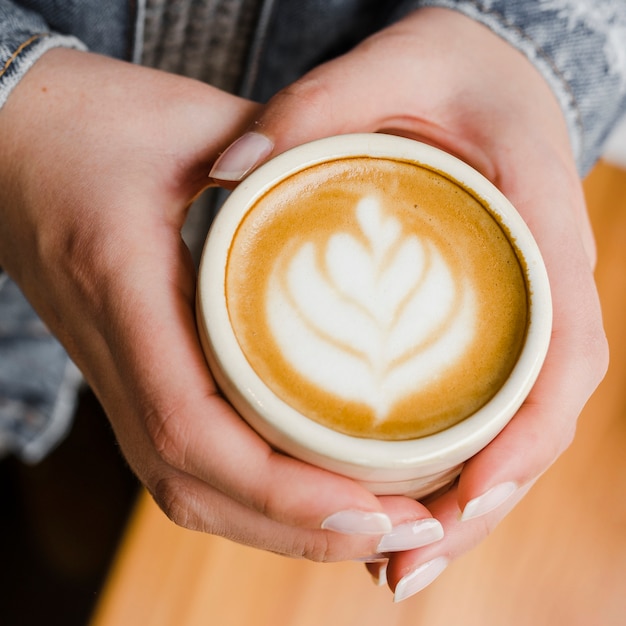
{"x":579,"y":46}
{"x":24,"y":37}
{"x":38,"y":382}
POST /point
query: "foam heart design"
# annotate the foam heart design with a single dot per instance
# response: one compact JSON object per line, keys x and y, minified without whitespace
{"x":372,"y":315}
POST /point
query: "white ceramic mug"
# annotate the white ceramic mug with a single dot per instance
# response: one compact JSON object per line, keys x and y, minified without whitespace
{"x":414,"y":467}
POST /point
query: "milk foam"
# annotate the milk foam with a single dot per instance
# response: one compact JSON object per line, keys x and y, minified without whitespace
{"x":372,"y":316}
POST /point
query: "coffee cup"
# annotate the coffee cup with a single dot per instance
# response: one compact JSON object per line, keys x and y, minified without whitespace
{"x":374,"y":306}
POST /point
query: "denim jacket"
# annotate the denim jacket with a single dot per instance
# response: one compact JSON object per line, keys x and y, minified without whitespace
{"x":578,"y":45}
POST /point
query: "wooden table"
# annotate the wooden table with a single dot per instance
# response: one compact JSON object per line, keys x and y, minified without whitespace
{"x":558,"y":559}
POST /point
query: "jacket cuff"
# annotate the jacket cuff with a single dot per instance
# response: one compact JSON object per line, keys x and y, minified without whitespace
{"x":38,"y":381}
{"x":24,"y":56}
{"x":579,"y":48}
{"x":24,"y":37}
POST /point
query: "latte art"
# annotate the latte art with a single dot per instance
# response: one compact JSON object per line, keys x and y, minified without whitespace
{"x":384,"y":314}
{"x":376,"y":297}
{"x":373,"y":306}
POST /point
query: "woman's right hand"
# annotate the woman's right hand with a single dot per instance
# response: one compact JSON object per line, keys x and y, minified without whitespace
{"x":99,"y":163}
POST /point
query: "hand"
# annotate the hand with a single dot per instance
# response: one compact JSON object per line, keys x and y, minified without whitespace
{"x":439,"y":77}
{"x":100,"y":160}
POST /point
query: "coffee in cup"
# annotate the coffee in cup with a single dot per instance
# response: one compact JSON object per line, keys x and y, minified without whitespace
{"x":374,"y":306}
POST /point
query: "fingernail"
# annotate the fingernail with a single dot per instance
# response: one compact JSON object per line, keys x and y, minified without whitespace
{"x":419,"y":578}
{"x":358,"y":523}
{"x":411,"y":535}
{"x":488,"y":501}
{"x":241,"y":157}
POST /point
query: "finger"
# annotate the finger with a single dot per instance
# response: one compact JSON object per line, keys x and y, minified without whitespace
{"x":406,"y":79}
{"x":337,"y":98}
{"x":498,"y":477}
{"x":541,"y":430}
{"x":309,"y":109}
{"x":408,"y":533}
{"x":575,"y":364}
{"x":193,"y":504}
{"x":409,"y":572}
{"x":193,"y":429}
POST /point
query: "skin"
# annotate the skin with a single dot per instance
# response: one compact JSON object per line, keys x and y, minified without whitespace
{"x":100,"y":161}
{"x":448,"y":81}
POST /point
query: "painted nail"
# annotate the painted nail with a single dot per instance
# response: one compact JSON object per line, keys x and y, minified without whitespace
{"x":358,"y":523}
{"x":241,"y":157}
{"x":411,"y":535}
{"x":419,"y":578}
{"x":488,"y":501}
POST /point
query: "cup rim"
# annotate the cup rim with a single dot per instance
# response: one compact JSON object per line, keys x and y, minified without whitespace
{"x":296,"y":434}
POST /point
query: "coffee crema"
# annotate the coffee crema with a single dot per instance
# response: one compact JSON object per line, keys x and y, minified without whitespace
{"x":377,"y":297}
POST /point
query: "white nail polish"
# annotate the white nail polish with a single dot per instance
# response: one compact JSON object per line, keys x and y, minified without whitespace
{"x":419,"y":578}
{"x":358,"y":523}
{"x":411,"y":535}
{"x":489,"y":500}
{"x":241,"y":157}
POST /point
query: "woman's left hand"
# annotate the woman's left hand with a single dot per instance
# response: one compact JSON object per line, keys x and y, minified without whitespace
{"x":444,"y":79}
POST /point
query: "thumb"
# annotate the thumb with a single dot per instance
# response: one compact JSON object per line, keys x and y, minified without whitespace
{"x":415,"y":78}
{"x":341,"y":96}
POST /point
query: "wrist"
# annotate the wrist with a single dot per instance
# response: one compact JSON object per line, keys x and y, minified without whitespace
{"x":477,"y":96}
